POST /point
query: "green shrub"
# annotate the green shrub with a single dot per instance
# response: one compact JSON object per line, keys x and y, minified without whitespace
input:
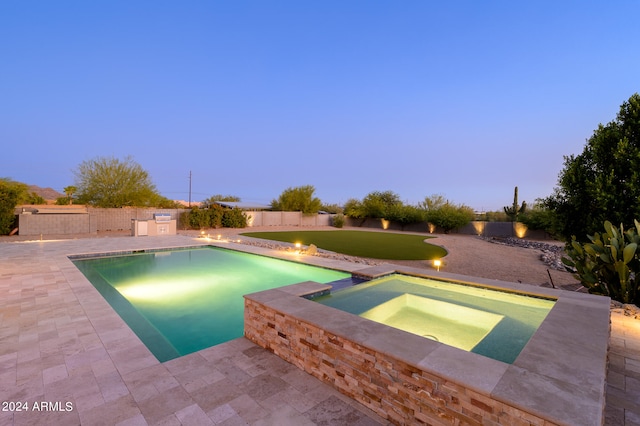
{"x":35,"y":199}
{"x":405,"y":214}
{"x":354,"y":209}
{"x":444,"y":214}
{"x":609,"y":265}
{"x":234,"y":218}
{"x":198,"y":218}
{"x":216,"y":212}
{"x":298,"y":199}
{"x":183,"y":220}
{"x":10,"y":193}
{"x":338,"y":220}
{"x":540,"y":217}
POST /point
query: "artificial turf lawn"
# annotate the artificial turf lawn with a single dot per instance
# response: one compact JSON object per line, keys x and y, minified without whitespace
{"x":376,"y":245}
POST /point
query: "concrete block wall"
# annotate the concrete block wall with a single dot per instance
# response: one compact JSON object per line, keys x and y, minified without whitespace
{"x":102,"y":219}
{"x":120,"y":219}
{"x":396,"y":390}
{"x":57,"y":224}
{"x":267,"y":218}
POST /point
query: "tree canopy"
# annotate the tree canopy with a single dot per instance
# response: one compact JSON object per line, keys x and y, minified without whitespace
{"x":298,"y":199}
{"x":11,"y":194}
{"x":110,"y":182}
{"x":603,"y":182}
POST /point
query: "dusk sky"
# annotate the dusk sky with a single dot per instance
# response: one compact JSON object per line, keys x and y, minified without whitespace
{"x":466,"y":99}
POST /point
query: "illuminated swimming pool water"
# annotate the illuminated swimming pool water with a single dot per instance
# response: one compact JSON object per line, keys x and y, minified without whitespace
{"x":181,"y":301}
{"x":492,"y":323}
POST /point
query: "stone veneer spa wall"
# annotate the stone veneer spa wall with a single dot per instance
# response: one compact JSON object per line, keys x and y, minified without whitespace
{"x":408,"y":379}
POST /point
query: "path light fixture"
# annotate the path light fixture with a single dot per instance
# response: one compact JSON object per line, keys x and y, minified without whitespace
{"x":437,"y":264}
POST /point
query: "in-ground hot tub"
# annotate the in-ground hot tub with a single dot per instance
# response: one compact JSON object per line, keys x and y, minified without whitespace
{"x":558,"y":377}
{"x":485,"y":321}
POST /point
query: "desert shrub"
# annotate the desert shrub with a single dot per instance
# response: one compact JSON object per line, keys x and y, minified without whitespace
{"x":35,"y":199}
{"x":8,"y":202}
{"x":198,"y":218}
{"x":405,"y":214}
{"x":234,"y":218}
{"x":183,"y":220}
{"x":609,"y":264}
{"x":540,"y":217}
{"x":298,"y":199}
{"x":215,"y":212}
{"x":378,"y":204}
{"x":353,"y":208}
{"x":444,"y":214}
{"x":338,"y":220}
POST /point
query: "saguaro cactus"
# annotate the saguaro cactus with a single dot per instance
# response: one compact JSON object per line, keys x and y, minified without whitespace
{"x":514,"y":210}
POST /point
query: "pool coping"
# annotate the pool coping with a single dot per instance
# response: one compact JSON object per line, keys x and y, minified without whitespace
{"x":559,"y":376}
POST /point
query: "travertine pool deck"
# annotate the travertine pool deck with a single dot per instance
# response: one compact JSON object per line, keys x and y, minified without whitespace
{"x":60,"y":343}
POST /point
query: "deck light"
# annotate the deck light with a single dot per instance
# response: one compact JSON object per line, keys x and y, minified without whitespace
{"x":437,"y":264}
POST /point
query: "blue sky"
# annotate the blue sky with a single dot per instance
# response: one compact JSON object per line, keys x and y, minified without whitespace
{"x":465,"y":99}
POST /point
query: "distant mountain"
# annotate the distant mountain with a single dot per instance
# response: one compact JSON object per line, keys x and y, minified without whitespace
{"x":46,"y":193}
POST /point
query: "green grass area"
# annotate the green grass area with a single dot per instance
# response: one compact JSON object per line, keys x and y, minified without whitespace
{"x":376,"y":245}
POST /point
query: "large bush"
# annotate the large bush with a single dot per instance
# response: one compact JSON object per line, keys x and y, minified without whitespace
{"x":234,"y":218}
{"x":214,"y":216}
{"x":445,"y":214}
{"x":299,"y":199}
{"x":197,"y":218}
{"x":609,"y":264}
{"x":383,"y":205}
{"x":353,"y":208}
{"x":603,"y":182}
{"x":10,"y":194}
{"x":404,"y":214}
{"x":379,"y":205}
{"x":109,"y":182}
{"x":541,"y":218}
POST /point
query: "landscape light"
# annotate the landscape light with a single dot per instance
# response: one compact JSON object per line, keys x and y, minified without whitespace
{"x":437,"y":264}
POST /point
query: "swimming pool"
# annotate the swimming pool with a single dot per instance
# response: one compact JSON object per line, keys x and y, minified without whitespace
{"x":182,"y":301}
{"x":492,"y":323}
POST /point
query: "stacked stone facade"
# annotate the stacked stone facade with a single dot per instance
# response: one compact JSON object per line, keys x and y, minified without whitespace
{"x":395,"y":389}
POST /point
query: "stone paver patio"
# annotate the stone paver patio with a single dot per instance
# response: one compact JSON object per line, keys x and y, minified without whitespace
{"x":61,"y":344}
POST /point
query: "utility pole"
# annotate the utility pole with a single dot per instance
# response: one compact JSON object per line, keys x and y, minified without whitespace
{"x":189,"y":188}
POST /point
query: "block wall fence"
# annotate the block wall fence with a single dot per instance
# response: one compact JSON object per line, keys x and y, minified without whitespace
{"x":91,"y":220}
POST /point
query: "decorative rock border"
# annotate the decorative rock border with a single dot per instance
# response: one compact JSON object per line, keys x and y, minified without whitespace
{"x":551,"y":253}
